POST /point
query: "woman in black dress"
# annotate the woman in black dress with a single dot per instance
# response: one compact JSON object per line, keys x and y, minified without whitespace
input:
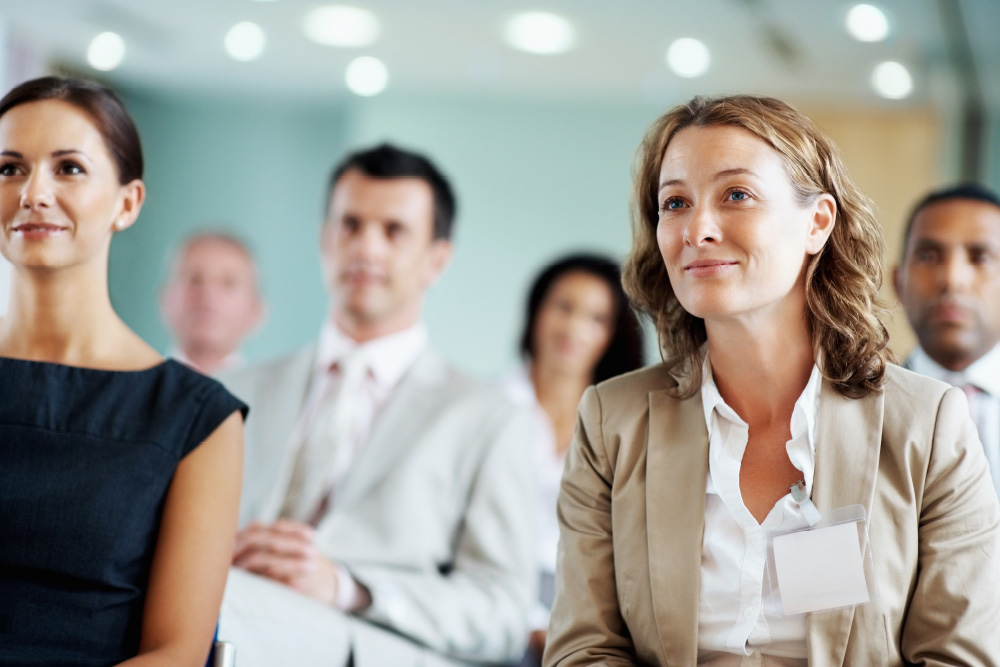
{"x":119,"y":471}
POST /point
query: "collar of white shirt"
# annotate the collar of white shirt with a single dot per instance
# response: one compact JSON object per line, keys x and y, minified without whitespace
{"x":801,"y":448}
{"x":389,"y":356}
{"x":984,"y":372}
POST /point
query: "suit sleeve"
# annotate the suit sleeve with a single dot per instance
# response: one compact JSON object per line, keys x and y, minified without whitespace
{"x":954,"y":613}
{"x":478,"y":608}
{"x":586,"y":626}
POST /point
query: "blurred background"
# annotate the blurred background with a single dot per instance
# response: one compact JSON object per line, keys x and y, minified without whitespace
{"x":533,"y":110}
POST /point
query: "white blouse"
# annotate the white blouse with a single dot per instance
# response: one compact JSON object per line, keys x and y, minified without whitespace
{"x":547,"y":464}
{"x":739,"y":622}
{"x":548,"y":468}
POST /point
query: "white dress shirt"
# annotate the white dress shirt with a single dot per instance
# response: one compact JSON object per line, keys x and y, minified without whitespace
{"x":388,"y":359}
{"x":548,"y":467}
{"x":984,"y":403}
{"x":739,"y":621}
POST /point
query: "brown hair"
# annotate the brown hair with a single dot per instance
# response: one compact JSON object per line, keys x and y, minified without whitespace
{"x":849,"y":340}
{"x":107,"y":111}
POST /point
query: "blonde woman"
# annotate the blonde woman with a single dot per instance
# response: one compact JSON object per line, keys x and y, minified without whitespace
{"x":760,"y":262}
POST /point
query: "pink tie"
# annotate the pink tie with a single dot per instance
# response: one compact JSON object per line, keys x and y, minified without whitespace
{"x":326,"y":453}
{"x":970,"y":393}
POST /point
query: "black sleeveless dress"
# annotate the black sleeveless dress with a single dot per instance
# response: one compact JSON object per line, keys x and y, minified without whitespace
{"x":86,"y":458}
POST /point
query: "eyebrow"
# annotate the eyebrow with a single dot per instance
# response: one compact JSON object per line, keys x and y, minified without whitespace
{"x":720,"y":175}
{"x":58,"y":153}
{"x":934,"y":244}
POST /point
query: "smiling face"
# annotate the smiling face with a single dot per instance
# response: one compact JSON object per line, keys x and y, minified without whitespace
{"x":60,"y":195}
{"x":949,"y":282}
{"x":379,"y":254}
{"x":732,"y":234}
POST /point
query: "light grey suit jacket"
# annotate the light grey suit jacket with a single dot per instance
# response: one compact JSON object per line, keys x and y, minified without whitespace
{"x":632,"y":515}
{"x":434,"y":516}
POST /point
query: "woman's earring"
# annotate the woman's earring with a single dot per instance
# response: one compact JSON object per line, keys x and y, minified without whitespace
{"x":119,"y":225}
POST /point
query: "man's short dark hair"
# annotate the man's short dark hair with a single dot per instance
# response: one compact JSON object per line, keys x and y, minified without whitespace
{"x":389,"y":161}
{"x":970,"y":191}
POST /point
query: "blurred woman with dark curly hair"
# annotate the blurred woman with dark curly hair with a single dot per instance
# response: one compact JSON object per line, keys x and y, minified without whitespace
{"x":776,"y":410}
{"x":578,"y":330}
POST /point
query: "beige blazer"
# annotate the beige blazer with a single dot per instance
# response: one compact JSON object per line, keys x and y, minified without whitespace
{"x":434,"y":516}
{"x":632,"y":509}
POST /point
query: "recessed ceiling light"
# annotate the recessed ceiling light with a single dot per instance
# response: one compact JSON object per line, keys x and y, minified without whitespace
{"x":867,"y":23}
{"x":341,"y":25}
{"x":106,"y":51}
{"x":245,"y":41}
{"x":892,"y":80}
{"x":539,"y":32}
{"x":366,"y":76}
{"x":688,"y":57}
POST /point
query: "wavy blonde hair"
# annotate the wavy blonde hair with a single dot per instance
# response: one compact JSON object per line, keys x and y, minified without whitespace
{"x":844,"y":312}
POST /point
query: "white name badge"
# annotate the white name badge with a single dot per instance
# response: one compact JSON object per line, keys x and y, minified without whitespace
{"x":823,"y":567}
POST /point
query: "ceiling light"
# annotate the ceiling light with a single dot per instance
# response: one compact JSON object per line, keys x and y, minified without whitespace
{"x":892,"y":80}
{"x":688,"y":57}
{"x":539,"y":32}
{"x":106,"y":51}
{"x":366,"y":76}
{"x":245,"y":41}
{"x":340,"y":25}
{"x":867,"y":23}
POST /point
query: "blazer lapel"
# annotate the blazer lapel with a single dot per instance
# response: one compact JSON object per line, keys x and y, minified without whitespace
{"x":848,"y":444}
{"x":677,"y":470}
{"x":280,"y":415}
{"x":397,"y":427}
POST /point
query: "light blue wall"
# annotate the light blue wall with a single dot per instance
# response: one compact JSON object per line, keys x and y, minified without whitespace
{"x":993,"y":150}
{"x":533,"y":179}
{"x":257,"y":168}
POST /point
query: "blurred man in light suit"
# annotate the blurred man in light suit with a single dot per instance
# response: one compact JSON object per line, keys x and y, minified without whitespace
{"x":211,"y":301}
{"x":949,"y":284}
{"x":388,"y":497}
